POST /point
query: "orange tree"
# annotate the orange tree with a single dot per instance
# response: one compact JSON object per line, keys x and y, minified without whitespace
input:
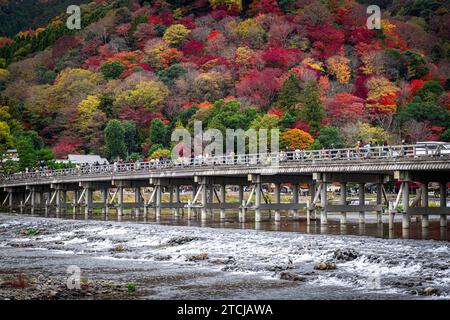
{"x":296,"y":139}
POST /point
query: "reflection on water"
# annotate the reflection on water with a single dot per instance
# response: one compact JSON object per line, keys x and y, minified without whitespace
{"x":370,"y":228}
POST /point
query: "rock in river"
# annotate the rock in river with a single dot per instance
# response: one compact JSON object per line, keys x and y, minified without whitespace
{"x":291,"y":276}
{"x":325,"y":266}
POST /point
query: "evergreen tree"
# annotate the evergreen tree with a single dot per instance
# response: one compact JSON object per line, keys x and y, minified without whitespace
{"x":27,"y":158}
{"x":290,"y":93}
{"x":158,"y":132}
{"x":115,"y":140}
{"x":130,"y":134}
{"x":312,"y":111}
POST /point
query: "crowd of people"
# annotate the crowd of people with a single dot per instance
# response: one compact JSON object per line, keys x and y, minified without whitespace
{"x":362,"y":150}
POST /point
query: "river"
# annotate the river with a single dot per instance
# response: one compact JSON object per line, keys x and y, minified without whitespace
{"x":170,"y":260}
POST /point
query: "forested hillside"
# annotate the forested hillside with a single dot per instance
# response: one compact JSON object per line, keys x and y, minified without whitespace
{"x":138,"y":69}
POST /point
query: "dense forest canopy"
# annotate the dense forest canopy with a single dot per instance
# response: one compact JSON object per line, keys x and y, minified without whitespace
{"x":139,"y":69}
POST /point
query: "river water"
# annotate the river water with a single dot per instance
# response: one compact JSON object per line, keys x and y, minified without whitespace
{"x":240,"y":263}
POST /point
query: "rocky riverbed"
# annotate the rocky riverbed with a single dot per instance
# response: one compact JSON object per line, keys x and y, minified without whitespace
{"x":128,"y":260}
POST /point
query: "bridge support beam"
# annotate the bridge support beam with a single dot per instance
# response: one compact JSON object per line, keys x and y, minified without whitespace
{"x":323,"y":204}
{"x":405,"y":202}
{"x":379,"y":202}
{"x":343,"y":201}
{"x":243,"y":210}
{"x":177,"y":200}
{"x":88,"y":202}
{"x":424,"y":202}
{"x":120,"y":200}
{"x":204,"y":200}
{"x":443,"y":203}
{"x":362,"y":202}
{"x":295,"y":200}
{"x":137,"y":201}
{"x":105,"y":208}
{"x":76,"y":195}
{"x":277,"y":201}
{"x":223,"y":197}
{"x":257,"y":185}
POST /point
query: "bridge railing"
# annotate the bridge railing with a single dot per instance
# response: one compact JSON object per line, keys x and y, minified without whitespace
{"x":301,"y":156}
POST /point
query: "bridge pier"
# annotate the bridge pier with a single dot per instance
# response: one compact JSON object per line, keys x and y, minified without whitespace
{"x":443,"y":203}
{"x":177,"y":201}
{"x":323,"y":204}
{"x":362,"y":202}
{"x":137,"y":201}
{"x":204,"y":191}
{"x":76,"y":196}
{"x":223,"y":197}
{"x":88,"y":202}
{"x":257,"y":186}
{"x":405,"y":203}
{"x":295,"y":200}
{"x":277,"y":201}
{"x":379,"y":203}
{"x":343,"y":202}
{"x":424,"y":203}
{"x":243,"y":210}
{"x":105,"y":207}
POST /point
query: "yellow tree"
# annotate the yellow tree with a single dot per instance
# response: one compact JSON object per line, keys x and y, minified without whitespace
{"x":175,"y":33}
{"x":339,"y":67}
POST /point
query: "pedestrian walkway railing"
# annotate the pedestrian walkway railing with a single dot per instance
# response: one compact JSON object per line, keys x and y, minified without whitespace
{"x":417,"y":151}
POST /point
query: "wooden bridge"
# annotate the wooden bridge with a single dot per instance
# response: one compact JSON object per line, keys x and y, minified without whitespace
{"x":209,"y":178}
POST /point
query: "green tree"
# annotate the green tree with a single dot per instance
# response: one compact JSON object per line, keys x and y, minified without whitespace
{"x":229,"y":115}
{"x":158,"y":132}
{"x":312,"y":110}
{"x":27,"y":157}
{"x":430,"y":91}
{"x":446,"y":135}
{"x":5,"y":141}
{"x":44,"y":157}
{"x":115,"y":140}
{"x":424,"y":111}
{"x":287,"y":120}
{"x":172,"y":73}
{"x":289,"y":95}
{"x":130,"y":135}
{"x":330,"y":137}
{"x":112,"y":70}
